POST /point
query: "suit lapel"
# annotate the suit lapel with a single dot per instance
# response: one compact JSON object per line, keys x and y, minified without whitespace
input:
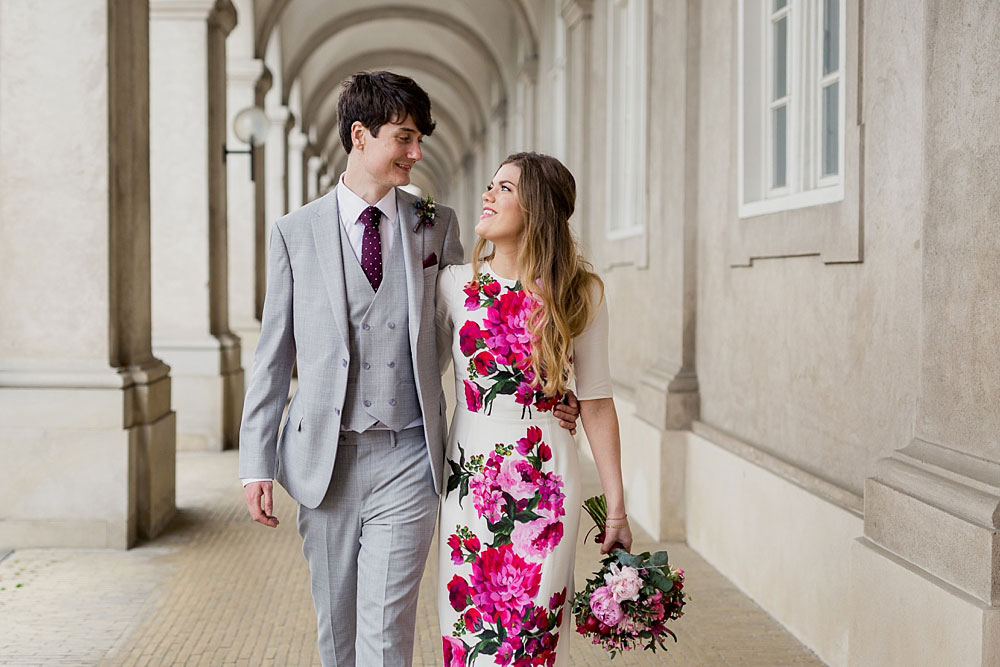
{"x":326,"y":235}
{"x":413,"y":247}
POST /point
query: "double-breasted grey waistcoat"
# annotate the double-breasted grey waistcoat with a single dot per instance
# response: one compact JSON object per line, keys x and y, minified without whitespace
{"x":306,"y":322}
{"x":380,"y":386}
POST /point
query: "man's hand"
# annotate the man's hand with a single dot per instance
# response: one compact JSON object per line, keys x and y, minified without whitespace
{"x":260,"y":512}
{"x":567,"y":411}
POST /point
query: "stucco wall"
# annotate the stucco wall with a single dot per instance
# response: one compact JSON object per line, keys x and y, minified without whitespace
{"x":817,"y":363}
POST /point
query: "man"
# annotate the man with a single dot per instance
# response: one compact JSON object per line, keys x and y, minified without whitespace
{"x":350,"y":297}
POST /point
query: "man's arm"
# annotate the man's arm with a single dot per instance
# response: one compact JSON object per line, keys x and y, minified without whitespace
{"x":268,"y":390}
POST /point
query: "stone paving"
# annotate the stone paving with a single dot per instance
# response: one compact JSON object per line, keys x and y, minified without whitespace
{"x":217,"y":589}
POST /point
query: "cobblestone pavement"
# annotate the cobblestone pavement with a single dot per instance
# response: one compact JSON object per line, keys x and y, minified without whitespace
{"x":217,"y":589}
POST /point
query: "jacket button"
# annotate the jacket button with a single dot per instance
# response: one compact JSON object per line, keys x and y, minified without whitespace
{"x":365,"y":326}
{"x":391,"y":364}
{"x":392,"y":401}
{"x":368,"y":404}
{"x":344,"y":362}
{"x":391,"y":325}
{"x":367,"y":365}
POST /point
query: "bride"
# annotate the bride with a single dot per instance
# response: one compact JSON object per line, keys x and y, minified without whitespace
{"x":524,"y":324}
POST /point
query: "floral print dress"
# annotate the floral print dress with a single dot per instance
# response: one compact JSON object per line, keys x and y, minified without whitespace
{"x":510,"y":515}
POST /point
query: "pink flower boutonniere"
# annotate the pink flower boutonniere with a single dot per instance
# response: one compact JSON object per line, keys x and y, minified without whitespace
{"x":426,"y":213}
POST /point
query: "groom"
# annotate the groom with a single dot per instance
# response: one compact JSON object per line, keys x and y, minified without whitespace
{"x":350,"y":298}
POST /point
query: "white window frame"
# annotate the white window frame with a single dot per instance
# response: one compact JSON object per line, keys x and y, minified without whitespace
{"x":626,"y":188}
{"x":804,"y":184}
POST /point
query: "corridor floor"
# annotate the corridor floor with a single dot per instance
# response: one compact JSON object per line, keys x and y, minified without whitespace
{"x":217,"y":589}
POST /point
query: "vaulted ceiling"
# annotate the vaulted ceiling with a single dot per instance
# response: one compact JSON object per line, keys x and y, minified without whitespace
{"x":467,"y":55}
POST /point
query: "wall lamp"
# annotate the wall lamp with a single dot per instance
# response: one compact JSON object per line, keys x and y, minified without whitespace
{"x":250,"y":126}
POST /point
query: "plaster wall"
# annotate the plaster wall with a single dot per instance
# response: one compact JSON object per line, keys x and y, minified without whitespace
{"x":817,"y":363}
{"x":785,"y":547}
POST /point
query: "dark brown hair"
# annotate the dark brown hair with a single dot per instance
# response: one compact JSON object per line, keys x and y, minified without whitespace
{"x":377,"y":98}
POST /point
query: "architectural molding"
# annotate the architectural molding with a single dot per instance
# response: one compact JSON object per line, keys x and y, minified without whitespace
{"x":790,"y":472}
{"x":668,"y":396}
{"x":939,"y":509}
{"x":574,"y":11}
{"x":246,"y":71}
{"x":218,"y":13}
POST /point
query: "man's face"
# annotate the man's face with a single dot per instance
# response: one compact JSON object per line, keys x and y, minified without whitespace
{"x":388,"y":158}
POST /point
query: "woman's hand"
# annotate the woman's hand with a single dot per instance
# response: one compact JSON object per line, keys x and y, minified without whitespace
{"x":617,"y":531}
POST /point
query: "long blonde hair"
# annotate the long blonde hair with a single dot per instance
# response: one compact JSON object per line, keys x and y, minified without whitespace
{"x":550,"y":267}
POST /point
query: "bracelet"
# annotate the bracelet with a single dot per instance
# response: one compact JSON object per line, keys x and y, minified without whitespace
{"x":615,"y":518}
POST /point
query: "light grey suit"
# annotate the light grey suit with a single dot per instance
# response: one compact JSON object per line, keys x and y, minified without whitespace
{"x":367,"y":500}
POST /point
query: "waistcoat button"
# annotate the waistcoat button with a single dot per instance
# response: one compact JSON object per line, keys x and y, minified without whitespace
{"x":391,"y":364}
{"x":365,"y":326}
{"x":392,"y":401}
{"x":391,"y":325}
{"x":368,"y":404}
{"x":344,"y":362}
{"x":367,"y":365}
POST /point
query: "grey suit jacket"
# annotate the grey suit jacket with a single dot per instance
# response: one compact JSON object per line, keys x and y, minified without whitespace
{"x":305,"y":320}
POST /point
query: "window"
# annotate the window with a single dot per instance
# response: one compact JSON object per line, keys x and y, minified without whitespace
{"x":792,"y":106}
{"x":626,"y":129}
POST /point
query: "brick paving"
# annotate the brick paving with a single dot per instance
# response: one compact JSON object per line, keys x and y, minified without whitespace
{"x":217,"y":589}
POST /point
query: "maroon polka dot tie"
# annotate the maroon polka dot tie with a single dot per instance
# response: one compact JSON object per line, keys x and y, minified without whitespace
{"x":371,"y":246}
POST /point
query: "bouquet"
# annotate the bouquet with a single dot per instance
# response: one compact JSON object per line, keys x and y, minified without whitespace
{"x":628,"y":602}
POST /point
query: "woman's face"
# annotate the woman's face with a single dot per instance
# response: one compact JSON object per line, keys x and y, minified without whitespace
{"x":502,"y":219}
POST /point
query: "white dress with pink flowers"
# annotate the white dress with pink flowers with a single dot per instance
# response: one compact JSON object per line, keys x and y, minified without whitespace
{"x":509,"y":517}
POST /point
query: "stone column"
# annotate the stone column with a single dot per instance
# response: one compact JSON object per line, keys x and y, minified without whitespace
{"x":930,"y":556}
{"x":276,"y":195}
{"x":579,"y":18}
{"x":667,"y":398}
{"x":86,"y":431}
{"x":245,"y":74}
{"x":294,"y":165}
{"x":524,"y":129}
{"x":314,"y":163}
{"x":188,"y":183}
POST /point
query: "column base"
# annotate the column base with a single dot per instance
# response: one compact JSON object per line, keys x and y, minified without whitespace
{"x":939,"y":509}
{"x":208,"y":390}
{"x":902,"y":616}
{"x":88,"y":454}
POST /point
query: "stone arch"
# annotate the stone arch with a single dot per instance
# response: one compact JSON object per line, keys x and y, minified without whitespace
{"x":413,"y":59}
{"x":369,"y":14}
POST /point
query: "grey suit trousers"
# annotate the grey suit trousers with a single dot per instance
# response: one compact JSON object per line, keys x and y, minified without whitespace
{"x":366,"y":544}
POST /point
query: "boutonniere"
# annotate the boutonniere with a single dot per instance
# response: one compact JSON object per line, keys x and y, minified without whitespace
{"x":426,"y":213}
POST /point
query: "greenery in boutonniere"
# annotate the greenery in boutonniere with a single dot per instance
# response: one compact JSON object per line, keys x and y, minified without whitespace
{"x":426,"y":213}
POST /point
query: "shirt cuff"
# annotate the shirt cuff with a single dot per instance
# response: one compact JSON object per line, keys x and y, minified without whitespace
{"x":256,"y":479}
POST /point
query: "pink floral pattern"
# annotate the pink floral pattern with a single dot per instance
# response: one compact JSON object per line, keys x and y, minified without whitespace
{"x":495,"y":591}
{"x":498,"y":348}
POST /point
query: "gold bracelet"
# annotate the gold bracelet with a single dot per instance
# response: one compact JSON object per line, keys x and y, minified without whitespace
{"x":615,"y":518}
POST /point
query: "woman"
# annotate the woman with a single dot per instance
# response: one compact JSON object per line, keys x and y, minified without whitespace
{"x":531,"y":322}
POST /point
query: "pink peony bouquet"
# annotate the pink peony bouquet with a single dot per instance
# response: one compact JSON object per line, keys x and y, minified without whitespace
{"x":630,"y":600}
